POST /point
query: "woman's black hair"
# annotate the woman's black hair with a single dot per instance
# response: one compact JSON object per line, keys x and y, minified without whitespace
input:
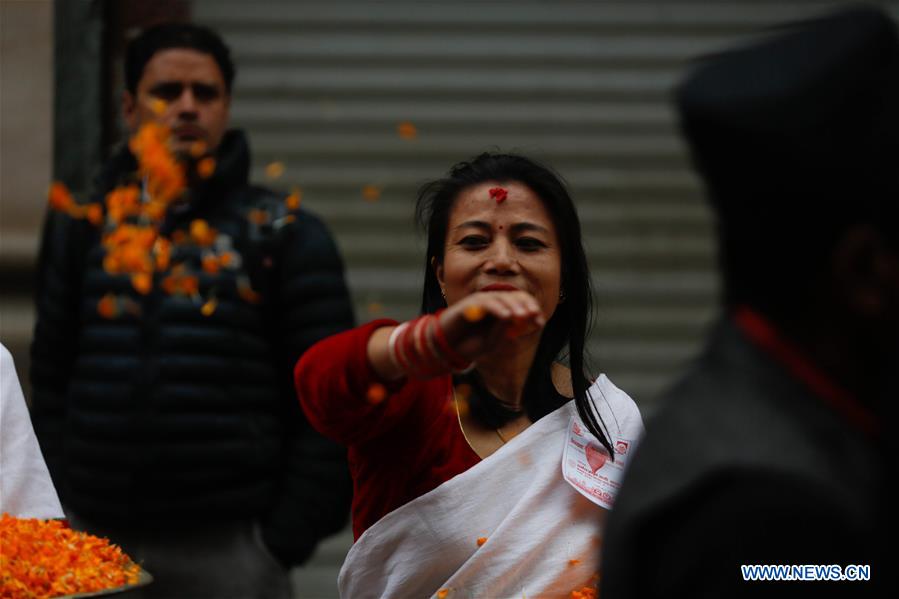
{"x":572,"y":318}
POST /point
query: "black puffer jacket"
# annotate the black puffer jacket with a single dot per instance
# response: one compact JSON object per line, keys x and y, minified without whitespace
{"x":171,"y":416}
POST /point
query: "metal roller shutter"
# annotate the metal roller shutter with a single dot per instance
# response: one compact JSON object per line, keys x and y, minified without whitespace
{"x":583,"y":86}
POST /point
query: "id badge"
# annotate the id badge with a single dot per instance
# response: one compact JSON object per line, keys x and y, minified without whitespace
{"x":587,"y":466}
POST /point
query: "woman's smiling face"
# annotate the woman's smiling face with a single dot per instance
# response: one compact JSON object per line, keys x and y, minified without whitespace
{"x":496,"y":246}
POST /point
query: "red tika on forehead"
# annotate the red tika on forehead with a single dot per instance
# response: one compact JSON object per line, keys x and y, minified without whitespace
{"x":498,"y":193}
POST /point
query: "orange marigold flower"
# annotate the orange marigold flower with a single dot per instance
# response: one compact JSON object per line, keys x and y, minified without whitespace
{"x":293,"y":200}
{"x":122,"y":202}
{"x":170,"y":285}
{"x":442,"y":593}
{"x":226,"y":259}
{"x":474,"y":313}
{"x":206,"y":167}
{"x":376,"y":393}
{"x":210,"y":264}
{"x":45,"y":558}
{"x":246,"y":292}
{"x":201,"y":232}
{"x":111,"y":264}
{"x":481,"y":541}
{"x":274,"y":170}
{"x":135,"y":258}
{"x":190,"y":285}
{"x":142,"y":282}
{"x":165,"y":175}
{"x":162,"y":251}
{"x":108,"y":306}
{"x":209,"y":307}
{"x":584,"y":593}
{"x":371,"y":193}
{"x":60,"y":197}
{"x":407,"y":130}
{"x":154,"y":210}
{"x":95,"y":214}
{"x":197,"y":148}
{"x":158,"y":106}
{"x":259,"y":217}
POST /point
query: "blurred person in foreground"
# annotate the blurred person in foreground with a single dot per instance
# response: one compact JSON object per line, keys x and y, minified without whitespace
{"x":482,"y":465}
{"x":171,"y":429}
{"x":776,"y":446}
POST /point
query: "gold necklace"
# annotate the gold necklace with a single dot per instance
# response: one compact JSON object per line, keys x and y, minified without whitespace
{"x":500,"y":435}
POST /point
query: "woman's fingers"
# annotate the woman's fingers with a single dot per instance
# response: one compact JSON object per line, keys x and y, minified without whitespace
{"x":483,"y":319}
{"x":518,"y":305}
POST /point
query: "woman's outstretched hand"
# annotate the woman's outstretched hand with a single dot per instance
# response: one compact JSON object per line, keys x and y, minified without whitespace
{"x":471,"y":327}
{"x":481,"y":321}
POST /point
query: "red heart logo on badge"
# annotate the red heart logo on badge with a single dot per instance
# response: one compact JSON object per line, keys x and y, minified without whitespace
{"x":596,"y":457}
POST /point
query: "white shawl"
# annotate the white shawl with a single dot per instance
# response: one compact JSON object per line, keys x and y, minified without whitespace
{"x":543,"y":535}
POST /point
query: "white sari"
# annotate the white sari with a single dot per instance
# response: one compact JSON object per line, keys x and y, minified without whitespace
{"x":543,"y":531}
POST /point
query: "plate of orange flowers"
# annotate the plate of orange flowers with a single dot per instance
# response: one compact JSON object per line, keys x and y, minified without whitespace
{"x":43,"y":559}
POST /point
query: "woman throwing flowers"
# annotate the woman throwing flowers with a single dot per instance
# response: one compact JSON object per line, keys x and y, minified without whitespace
{"x":475,"y":473}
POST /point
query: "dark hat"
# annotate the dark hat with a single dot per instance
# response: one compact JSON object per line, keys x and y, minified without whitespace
{"x":800,"y":127}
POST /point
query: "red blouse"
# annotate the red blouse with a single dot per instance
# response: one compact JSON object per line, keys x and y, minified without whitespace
{"x":400,"y":448}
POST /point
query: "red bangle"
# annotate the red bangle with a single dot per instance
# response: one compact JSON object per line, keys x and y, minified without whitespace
{"x":430,"y":362}
{"x":455,"y":360}
{"x":421,"y":350}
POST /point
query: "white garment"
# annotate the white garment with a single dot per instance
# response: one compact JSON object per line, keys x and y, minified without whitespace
{"x":543,"y":535}
{"x":26,"y":490}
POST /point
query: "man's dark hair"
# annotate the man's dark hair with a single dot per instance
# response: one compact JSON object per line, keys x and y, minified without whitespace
{"x":572,"y":318}
{"x":175,"y":35}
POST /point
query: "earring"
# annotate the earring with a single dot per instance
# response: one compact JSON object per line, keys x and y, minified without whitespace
{"x":561,"y":295}
{"x":443,"y":292}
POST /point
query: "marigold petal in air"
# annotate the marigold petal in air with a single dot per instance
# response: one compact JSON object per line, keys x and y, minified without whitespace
{"x":60,"y":197}
{"x":158,"y":106}
{"x":190,"y":285}
{"x":208,"y":309}
{"x":371,"y":193}
{"x":481,"y":541}
{"x":227,"y":259}
{"x":259,"y":217}
{"x":407,"y":130}
{"x":108,"y":307}
{"x":95,"y":214}
{"x":142,"y":282}
{"x":197,"y":148}
{"x":376,"y":393}
{"x":206,"y":167}
{"x":210,"y":264}
{"x":474,"y":313}
{"x":201,"y":232}
{"x":293,"y":200}
{"x":274,"y":170}
{"x":246,"y":291}
{"x":162,"y":251}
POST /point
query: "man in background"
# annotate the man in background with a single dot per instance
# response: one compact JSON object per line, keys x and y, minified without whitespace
{"x":776,"y":447}
{"x":164,"y":406}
